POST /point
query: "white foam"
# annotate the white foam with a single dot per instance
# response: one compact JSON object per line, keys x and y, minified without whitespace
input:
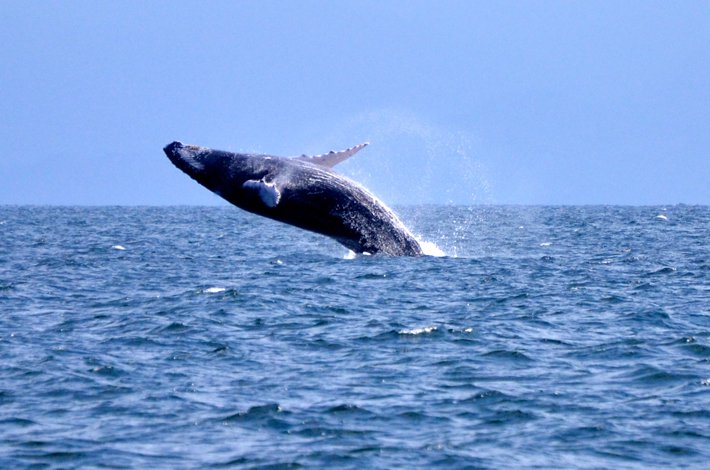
{"x":545,"y":244}
{"x":662,"y":217}
{"x":118,"y":247}
{"x":214,"y":290}
{"x":430,"y":249}
{"x":418,"y":331}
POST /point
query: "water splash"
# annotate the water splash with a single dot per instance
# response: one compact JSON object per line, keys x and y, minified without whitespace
{"x":414,"y":162}
{"x":431,"y":249}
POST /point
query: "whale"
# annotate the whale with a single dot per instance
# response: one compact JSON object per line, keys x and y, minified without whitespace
{"x":302,"y":191}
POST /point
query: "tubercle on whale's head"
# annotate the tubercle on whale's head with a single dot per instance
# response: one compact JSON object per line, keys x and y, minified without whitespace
{"x":189,"y":158}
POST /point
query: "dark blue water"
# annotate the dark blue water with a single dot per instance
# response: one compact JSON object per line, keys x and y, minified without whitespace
{"x":197,"y":337}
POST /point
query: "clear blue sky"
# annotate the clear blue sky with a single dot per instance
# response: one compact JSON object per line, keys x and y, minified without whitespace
{"x":463,"y":101}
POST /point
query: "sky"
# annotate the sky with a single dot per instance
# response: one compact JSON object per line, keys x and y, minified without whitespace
{"x":463,"y":102}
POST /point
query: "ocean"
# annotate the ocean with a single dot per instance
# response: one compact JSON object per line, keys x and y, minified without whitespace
{"x":201,"y":337}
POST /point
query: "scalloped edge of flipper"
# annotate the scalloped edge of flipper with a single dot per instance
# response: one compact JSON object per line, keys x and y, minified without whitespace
{"x":332,"y":158}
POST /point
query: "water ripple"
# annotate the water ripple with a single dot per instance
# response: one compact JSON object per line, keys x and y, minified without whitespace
{"x":574,"y":337}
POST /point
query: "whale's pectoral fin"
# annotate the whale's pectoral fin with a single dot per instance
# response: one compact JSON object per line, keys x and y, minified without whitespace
{"x":330,"y":159}
{"x":267,"y":192}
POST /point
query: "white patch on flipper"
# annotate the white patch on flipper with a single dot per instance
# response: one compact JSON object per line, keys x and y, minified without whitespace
{"x":268,"y":192}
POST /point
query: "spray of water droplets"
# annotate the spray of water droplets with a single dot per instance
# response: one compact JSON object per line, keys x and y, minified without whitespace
{"x":412,"y":163}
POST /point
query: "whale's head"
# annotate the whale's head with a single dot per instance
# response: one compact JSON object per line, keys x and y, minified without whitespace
{"x":191,"y":159}
{"x":208,"y":167}
{"x":221,"y":172}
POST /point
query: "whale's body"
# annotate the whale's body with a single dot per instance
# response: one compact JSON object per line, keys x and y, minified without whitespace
{"x":300,"y":191}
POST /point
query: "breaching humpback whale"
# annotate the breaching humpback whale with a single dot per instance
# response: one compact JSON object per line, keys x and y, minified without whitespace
{"x":301,"y":191}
